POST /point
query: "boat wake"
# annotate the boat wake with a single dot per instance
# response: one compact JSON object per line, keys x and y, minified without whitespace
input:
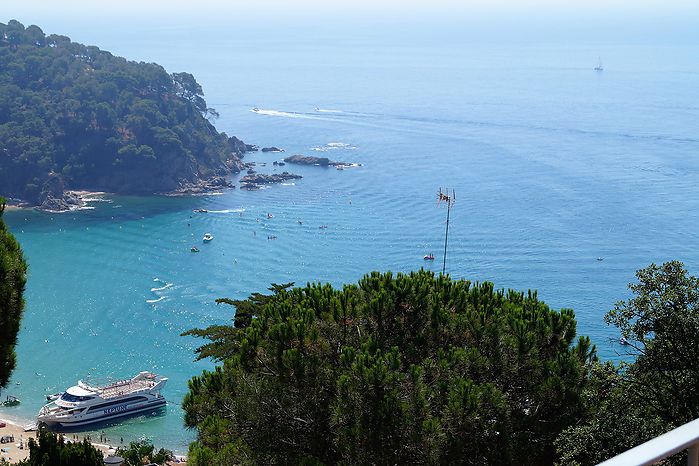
{"x":152,"y":301}
{"x":281,"y":114}
{"x":226,"y":211}
{"x":325,"y":110}
{"x":165,"y":287}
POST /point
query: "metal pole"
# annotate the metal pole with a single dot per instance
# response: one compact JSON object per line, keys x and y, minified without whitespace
{"x":693,"y":455}
{"x":446,"y":237}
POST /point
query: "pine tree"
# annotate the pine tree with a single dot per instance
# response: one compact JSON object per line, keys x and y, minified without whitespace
{"x":13,"y":272}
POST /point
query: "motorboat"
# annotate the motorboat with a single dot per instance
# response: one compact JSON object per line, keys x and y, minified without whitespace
{"x":428,"y":257}
{"x":194,"y":249}
{"x":255,"y":109}
{"x":11,"y":401}
{"x":208,"y":237}
{"x":53,"y":397}
{"x":200,"y":211}
{"x":84,"y":404}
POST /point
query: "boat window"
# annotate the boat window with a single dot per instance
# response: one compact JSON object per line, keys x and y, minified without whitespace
{"x":74,"y":399}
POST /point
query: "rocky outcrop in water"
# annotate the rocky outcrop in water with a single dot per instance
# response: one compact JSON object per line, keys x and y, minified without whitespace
{"x":254,"y":181}
{"x":54,"y":197}
{"x":318,"y":161}
{"x":309,"y":160}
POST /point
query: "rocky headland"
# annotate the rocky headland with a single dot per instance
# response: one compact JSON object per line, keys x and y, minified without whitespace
{"x":104,"y":124}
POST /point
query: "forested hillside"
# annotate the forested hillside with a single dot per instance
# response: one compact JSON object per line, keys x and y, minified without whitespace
{"x":77,"y":117}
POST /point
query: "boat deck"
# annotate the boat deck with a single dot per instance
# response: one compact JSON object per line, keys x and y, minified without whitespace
{"x":125,"y":387}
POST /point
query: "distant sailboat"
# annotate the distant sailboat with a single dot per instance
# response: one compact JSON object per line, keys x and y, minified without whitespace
{"x":599,"y":66}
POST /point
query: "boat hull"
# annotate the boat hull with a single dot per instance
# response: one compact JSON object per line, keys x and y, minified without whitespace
{"x":78,"y":422}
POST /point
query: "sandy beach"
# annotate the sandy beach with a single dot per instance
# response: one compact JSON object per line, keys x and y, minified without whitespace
{"x":16,"y":450}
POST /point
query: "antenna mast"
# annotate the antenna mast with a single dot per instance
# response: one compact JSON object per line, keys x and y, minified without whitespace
{"x":449,"y":201}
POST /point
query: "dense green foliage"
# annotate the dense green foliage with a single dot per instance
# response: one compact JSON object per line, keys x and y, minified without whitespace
{"x":658,"y":390}
{"x":143,"y":452}
{"x":404,"y":369}
{"x":13,"y":276}
{"x":77,"y":116}
{"x":52,"y":450}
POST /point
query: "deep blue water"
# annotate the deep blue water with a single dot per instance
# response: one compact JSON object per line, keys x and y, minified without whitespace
{"x":553,"y":164}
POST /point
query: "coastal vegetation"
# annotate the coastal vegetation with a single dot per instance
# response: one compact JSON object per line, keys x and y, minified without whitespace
{"x":143,"y":452}
{"x":13,"y":277}
{"x":656,"y":387}
{"x":396,"y":369}
{"x":50,"y":449}
{"x":422,"y":369}
{"x":76,"y":117}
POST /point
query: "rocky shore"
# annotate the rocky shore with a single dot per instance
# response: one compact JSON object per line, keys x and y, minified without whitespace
{"x":206,"y":186}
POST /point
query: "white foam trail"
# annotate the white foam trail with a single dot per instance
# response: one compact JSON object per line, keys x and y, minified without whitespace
{"x":168,"y":285}
{"x":151,"y":301}
{"x":288,"y":184}
{"x":156,"y":279}
{"x":226,"y":211}
{"x":280,"y":114}
{"x":333,"y":146}
{"x":326,"y":110}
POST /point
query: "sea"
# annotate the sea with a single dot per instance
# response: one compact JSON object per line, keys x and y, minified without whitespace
{"x":566,"y":180}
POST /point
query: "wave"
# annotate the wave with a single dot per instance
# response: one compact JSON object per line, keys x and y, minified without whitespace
{"x":167,"y":285}
{"x":152,"y":301}
{"x":333,"y":146}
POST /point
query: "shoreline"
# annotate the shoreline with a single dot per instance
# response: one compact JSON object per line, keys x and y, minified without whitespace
{"x":17,"y":450}
{"x":82,"y":197}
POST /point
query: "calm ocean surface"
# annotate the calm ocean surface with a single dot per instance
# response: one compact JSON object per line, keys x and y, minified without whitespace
{"x":553,"y":164}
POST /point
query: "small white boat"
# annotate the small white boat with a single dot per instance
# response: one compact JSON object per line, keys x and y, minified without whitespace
{"x":599,"y":66}
{"x":429,"y":257}
{"x":255,"y":109}
{"x":208,"y":237}
{"x":11,"y":401}
{"x":54,"y":397}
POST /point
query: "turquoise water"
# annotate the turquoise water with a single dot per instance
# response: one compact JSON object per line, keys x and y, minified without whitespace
{"x":553,"y":164}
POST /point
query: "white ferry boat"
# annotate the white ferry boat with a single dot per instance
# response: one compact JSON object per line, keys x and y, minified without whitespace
{"x":84,"y":404}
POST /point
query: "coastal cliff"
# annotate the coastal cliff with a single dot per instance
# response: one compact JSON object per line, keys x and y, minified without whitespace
{"x":74,"y":117}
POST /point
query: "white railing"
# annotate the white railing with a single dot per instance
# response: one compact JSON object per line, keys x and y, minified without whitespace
{"x":685,"y":437}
